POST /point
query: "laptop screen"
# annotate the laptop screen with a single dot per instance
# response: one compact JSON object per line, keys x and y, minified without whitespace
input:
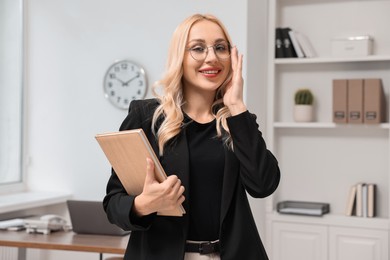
{"x":88,"y":217}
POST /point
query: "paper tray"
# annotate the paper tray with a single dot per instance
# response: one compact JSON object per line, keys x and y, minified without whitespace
{"x":303,"y":208}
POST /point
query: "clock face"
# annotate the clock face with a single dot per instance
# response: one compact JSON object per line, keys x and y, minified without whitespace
{"x":124,"y":82}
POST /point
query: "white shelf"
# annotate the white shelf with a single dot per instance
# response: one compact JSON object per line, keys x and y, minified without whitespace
{"x":31,"y":199}
{"x":334,"y":220}
{"x":327,"y":125}
{"x":372,"y":58}
{"x":321,"y":160}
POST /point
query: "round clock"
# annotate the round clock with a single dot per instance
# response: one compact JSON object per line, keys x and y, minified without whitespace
{"x":124,"y":82}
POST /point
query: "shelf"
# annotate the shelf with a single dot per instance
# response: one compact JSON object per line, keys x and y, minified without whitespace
{"x":303,"y":125}
{"x":333,"y":220}
{"x":321,"y":160}
{"x":31,"y":199}
{"x":326,"y":125}
{"x":331,"y":60}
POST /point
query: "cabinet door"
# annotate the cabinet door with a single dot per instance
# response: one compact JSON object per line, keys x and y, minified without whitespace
{"x":358,"y":244}
{"x":299,"y":241}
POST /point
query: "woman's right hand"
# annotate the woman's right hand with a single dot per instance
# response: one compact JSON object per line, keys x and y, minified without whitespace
{"x":157,"y":196}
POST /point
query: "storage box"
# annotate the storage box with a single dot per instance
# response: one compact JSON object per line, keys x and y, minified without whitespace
{"x":303,"y":208}
{"x":352,"y":46}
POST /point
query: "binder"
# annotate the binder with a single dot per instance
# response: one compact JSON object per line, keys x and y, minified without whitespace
{"x":340,"y":101}
{"x":279,"y":52}
{"x":374,"y":101}
{"x":288,"y":48}
{"x":355,"y":101}
{"x":127,"y":152}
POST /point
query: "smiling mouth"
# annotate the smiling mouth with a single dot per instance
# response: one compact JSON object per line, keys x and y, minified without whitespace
{"x":210,"y":72}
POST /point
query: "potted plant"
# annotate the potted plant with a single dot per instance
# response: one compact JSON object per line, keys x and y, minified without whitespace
{"x":303,"y":109}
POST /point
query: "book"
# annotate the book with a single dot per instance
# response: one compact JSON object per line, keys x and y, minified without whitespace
{"x":364,"y":201}
{"x":374,"y":102}
{"x":127,"y":152}
{"x":340,"y":101}
{"x":359,"y":199}
{"x":371,"y":200}
{"x":296,"y":45}
{"x":288,"y":48}
{"x":279,"y":53}
{"x":355,"y":101}
{"x":351,"y":204}
{"x":305,"y":44}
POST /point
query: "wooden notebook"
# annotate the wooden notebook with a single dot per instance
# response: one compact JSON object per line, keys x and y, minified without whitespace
{"x":127,"y":152}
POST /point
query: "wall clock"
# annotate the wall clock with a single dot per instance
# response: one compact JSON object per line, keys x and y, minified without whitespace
{"x":124,"y":82}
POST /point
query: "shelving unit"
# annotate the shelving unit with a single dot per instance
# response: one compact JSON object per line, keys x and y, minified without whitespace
{"x":321,"y":160}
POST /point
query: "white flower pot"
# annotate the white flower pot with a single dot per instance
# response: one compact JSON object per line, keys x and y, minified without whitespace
{"x":303,"y":113}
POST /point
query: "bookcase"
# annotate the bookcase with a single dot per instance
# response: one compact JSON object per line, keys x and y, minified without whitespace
{"x":321,"y":160}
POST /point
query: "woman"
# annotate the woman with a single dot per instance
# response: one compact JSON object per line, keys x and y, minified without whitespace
{"x":211,"y":148}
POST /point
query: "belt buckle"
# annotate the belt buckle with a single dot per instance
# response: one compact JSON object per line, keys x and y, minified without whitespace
{"x":206,"y":248}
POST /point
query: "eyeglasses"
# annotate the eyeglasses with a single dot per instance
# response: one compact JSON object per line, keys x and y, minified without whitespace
{"x":200,"y":51}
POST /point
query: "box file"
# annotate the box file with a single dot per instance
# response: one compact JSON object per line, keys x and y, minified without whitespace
{"x":374,"y":101}
{"x":355,"y":101}
{"x":340,"y":100}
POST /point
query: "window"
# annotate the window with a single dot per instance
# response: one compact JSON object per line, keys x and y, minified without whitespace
{"x":11,"y":95}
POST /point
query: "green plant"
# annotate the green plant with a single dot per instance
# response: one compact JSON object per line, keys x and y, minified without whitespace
{"x":304,"y":97}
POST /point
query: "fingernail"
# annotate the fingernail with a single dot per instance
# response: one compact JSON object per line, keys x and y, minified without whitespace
{"x":148,"y":161}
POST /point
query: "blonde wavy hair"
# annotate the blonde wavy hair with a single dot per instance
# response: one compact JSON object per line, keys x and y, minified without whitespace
{"x":171,"y":100}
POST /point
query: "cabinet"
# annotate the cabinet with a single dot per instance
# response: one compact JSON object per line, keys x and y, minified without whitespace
{"x":299,"y":241}
{"x":349,"y":243}
{"x":320,"y":160}
{"x":303,"y":239}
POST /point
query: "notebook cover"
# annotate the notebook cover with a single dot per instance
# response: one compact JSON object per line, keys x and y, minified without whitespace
{"x":127,"y":152}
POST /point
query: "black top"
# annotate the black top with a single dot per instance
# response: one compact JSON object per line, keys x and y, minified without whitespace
{"x":207,"y":160}
{"x":249,"y":169}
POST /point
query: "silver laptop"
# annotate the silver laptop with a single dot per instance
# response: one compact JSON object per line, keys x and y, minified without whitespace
{"x":88,"y":217}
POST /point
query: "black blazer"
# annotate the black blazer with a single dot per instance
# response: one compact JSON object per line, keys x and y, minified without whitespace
{"x":251,"y":168}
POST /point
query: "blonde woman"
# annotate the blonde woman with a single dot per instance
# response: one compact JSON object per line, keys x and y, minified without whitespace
{"x":209,"y":145}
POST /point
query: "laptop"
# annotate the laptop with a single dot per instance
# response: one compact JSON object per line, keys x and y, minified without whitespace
{"x":88,"y":217}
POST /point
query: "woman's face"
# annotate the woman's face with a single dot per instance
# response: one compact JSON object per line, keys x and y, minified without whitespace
{"x":209,"y":73}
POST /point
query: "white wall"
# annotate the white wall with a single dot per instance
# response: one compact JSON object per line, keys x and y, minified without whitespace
{"x":255,"y":83}
{"x":71,"y":43}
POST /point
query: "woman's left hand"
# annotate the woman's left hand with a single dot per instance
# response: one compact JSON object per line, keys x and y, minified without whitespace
{"x":233,"y":97}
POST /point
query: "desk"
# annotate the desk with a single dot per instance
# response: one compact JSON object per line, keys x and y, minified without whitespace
{"x":64,"y":241}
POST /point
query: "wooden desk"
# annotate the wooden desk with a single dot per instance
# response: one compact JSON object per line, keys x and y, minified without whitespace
{"x":64,"y":241}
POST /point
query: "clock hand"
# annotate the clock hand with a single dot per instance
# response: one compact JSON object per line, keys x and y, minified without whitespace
{"x":127,"y":82}
{"x":121,"y":81}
